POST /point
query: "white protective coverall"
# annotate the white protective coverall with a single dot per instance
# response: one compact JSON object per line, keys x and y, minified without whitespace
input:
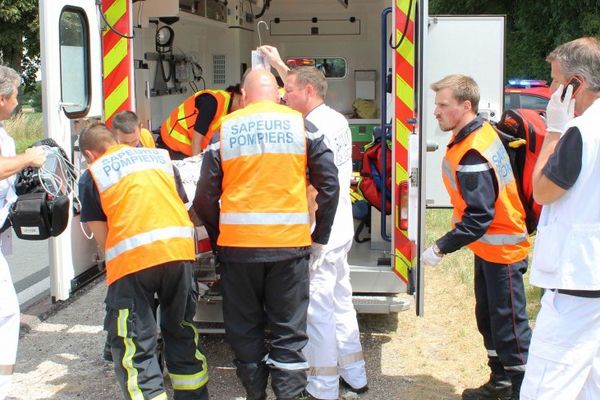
{"x":564,"y":355}
{"x":9,"y":304}
{"x":334,"y":348}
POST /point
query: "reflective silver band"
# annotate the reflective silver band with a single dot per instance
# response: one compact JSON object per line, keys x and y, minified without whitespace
{"x":264,"y":218}
{"x":520,"y":368}
{"x":323,"y":371}
{"x":447,"y":171}
{"x":501,"y":239}
{"x":7,"y":369}
{"x":286,"y":366}
{"x":142,"y":239}
{"x":350,"y":358}
{"x":473,"y":168}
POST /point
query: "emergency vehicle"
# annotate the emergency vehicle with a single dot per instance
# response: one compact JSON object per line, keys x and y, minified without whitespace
{"x":99,"y":57}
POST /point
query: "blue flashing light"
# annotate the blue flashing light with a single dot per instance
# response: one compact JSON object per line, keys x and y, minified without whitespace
{"x":527,"y":83}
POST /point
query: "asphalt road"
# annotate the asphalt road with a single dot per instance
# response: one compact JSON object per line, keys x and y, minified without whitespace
{"x":29,"y":268}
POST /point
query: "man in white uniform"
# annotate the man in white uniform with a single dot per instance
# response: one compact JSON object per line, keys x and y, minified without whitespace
{"x":564,"y":355}
{"x":333,"y":352}
{"x":10,"y":164}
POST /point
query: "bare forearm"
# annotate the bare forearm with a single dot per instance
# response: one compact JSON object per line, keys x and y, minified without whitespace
{"x":11,"y":165}
{"x":196,"y":142}
{"x":100,"y":230}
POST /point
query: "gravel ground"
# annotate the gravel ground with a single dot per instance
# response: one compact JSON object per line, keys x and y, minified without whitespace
{"x":430,"y":358}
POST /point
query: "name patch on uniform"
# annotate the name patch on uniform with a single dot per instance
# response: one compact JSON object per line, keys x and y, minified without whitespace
{"x":114,"y":162}
{"x":262,"y":133}
{"x":497,"y":154}
{"x":110,"y":168}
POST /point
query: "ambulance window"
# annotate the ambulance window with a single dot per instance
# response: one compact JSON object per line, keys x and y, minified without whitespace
{"x":74,"y":65}
{"x":332,"y":67}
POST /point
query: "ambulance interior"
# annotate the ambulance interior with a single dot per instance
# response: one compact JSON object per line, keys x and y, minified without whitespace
{"x":182,"y":46}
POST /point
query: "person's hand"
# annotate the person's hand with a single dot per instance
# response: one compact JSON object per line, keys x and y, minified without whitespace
{"x":431,"y":256}
{"x":36,"y":156}
{"x":560,"y":112}
{"x":317,"y":255}
{"x":271,"y":54}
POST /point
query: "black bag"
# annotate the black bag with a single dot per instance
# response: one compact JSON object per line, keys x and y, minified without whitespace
{"x":39,"y":215}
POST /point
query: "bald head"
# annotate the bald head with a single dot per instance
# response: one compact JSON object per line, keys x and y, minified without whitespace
{"x":259,"y":85}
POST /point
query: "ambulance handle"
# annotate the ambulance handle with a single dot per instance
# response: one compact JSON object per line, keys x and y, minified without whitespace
{"x":63,"y":104}
{"x":385,"y":127}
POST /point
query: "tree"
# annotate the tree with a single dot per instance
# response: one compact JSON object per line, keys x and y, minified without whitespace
{"x":19,"y":38}
{"x":533,"y":28}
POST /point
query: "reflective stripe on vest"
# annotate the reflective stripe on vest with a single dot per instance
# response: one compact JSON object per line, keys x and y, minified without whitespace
{"x":499,"y":239}
{"x":263,"y":156}
{"x":176,"y":132}
{"x":505,"y":240}
{"x":145,"y":238}
{"x":147,"y":222}
{"x":264,"y":218}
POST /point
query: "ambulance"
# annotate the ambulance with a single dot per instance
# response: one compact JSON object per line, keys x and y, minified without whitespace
{"x":99,"y":57}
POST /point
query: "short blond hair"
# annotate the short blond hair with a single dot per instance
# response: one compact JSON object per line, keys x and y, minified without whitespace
{"x":463,"y":88}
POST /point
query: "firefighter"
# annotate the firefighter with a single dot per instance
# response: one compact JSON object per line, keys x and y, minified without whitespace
{"x":564,"y":359}
{"x":148,"y":246}
{"x":189,"y":128}
{"x":10,"y":164}
{"x":252,"y":198}
{"x":334,"y":352}
{"x":129,"y":130}
{"x":489,"y":218}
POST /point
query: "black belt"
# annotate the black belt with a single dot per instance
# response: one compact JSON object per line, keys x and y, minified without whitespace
{"x":580,"y":293}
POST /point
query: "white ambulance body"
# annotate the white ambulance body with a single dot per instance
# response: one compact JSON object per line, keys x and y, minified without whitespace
{"x":100,"y":57}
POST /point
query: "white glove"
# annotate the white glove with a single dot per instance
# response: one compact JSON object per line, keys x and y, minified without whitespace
{"x":317,"y":255}
{"x":560,"y":112}
{"x":431,"y":256}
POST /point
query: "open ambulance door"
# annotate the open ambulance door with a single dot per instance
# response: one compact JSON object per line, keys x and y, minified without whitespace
{"x":71,"y":66}
{"x":407,"y":43}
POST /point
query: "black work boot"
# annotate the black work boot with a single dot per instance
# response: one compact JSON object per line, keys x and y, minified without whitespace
{"x":254,"y":378}
{"x":495,"y":389}
{"x":107,"y":353}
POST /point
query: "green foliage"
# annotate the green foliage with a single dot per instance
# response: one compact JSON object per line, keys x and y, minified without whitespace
{"x":33,"y":97}
{"x":26,"y":129}
{"x":533,"y":28}
{"x":19,"y":38}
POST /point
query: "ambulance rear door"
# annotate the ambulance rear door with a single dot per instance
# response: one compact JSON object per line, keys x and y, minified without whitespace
{"x":71,"y":67}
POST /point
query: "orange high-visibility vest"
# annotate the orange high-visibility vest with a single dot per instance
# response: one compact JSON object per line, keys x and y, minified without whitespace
{"x":147,"y":222}
{"x":176,"y":131}
{"x":263,"y":156}
{"x":505,"y":241}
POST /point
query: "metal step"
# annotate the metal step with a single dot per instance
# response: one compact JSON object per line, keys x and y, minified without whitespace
{"x":365,"y":304}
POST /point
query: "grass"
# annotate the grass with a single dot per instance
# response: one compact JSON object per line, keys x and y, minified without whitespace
{"x":460,"y":263}
{"x":26,"y":129}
